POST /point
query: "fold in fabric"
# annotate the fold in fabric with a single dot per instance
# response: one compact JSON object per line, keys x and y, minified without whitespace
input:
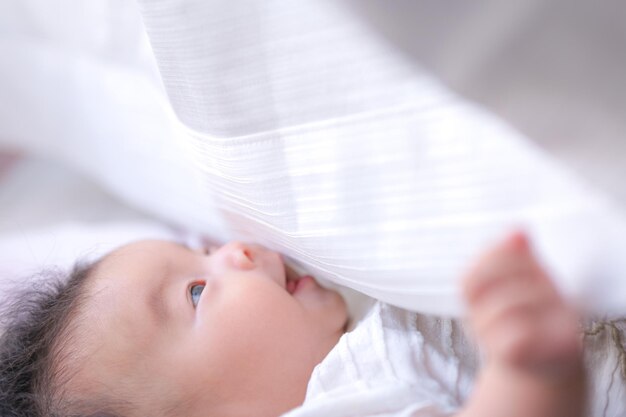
{"x":296,"y":126}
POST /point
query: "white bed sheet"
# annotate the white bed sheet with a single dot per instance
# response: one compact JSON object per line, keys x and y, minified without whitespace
{"x":51,"y":218}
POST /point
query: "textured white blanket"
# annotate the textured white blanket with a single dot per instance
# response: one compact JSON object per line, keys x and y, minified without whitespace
{"x":401,"y":364}
{"x":394,"y":363}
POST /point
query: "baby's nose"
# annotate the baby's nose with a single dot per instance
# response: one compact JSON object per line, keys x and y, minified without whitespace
{"x":239,"y":255}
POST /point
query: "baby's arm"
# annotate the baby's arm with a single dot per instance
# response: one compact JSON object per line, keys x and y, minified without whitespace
{"x":529,"y":335}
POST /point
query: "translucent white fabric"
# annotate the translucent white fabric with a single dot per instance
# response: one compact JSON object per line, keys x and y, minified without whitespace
{"x":297,"y":125}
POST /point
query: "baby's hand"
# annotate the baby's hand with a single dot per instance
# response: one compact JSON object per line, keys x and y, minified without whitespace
{"x":517,"y":314}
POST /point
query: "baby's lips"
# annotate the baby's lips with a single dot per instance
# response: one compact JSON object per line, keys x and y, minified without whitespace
{"x":291,"y":278}
{"x":296,"y":285}
{"x":290,"y":273}
{"x":304,"y":282}
{"x":294,"y":282}
{"x":291,"y":286}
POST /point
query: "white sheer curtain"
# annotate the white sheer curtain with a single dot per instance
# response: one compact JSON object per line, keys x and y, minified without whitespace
{"x":302,"y":126}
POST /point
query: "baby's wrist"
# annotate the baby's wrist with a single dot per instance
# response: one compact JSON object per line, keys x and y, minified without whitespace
{"x":549,"y":371}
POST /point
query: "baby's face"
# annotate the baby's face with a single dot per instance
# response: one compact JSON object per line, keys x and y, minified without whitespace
{"x":244,"y":344}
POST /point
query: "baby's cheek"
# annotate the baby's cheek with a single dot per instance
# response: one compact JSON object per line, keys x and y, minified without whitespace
{"x":339,"y":312}
{"x":263,"y":314}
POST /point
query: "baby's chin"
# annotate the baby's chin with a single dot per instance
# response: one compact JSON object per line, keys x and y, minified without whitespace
{"x":325,"y":306}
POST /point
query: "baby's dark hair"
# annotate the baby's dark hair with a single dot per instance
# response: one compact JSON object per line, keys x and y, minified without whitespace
{"x":33,"y":324}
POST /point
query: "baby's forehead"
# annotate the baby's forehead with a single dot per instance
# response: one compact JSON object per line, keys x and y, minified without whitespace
{"x":129,"y":270}
{"x":137,"y":258}
{"x":145,"y":247}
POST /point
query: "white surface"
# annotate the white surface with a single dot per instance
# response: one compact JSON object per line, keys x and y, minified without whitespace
{"x":37,"y":193}
{"x":52,"y":218}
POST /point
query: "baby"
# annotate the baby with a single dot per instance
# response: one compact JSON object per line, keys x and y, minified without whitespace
{"x":158,"y":329}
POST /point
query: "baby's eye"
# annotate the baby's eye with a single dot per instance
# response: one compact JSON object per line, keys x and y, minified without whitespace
{"x":196,"y":290}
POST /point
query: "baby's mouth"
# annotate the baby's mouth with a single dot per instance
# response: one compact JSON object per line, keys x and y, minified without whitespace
{"x":293,"y":280}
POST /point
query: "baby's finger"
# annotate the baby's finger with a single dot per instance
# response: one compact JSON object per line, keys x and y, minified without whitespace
{"x":511,"y":257}
{"x":510,"y":260}
{"x":506,"y":302}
